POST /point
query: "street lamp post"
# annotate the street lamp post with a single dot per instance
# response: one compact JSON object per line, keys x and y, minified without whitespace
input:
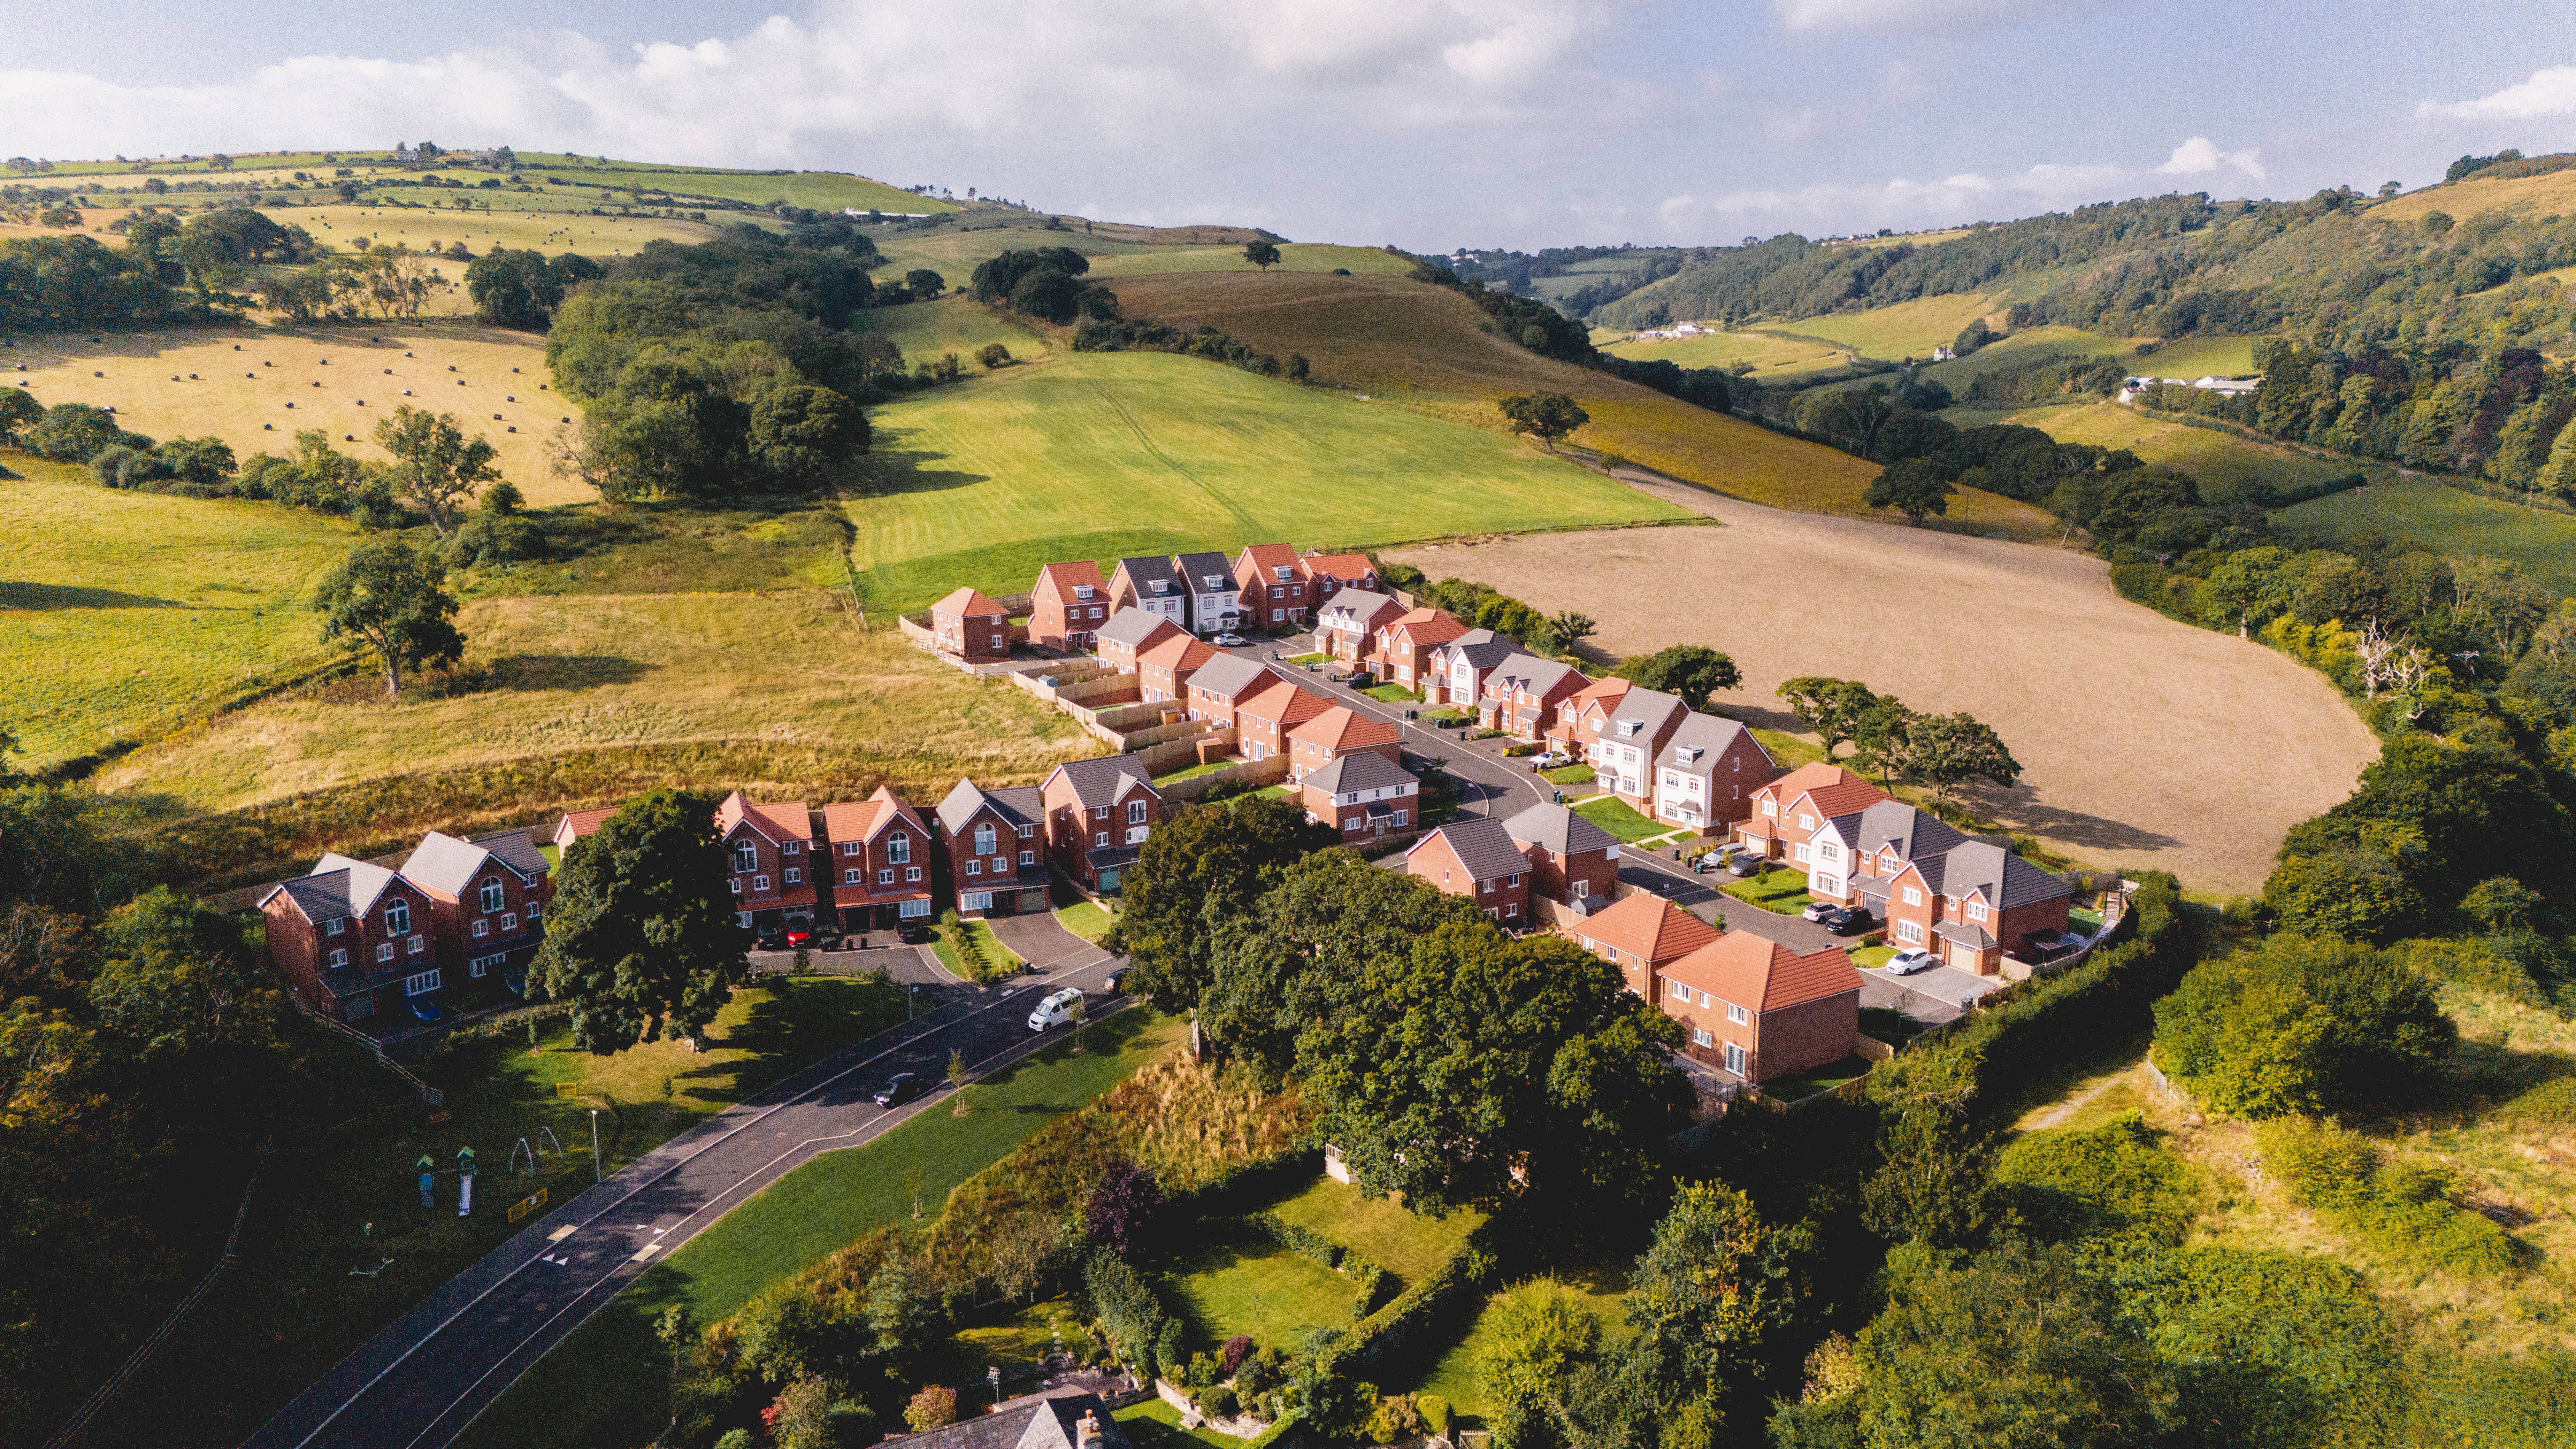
{"x":595,"y":1174}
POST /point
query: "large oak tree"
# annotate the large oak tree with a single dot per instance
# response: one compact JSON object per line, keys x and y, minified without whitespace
{"x":642,"y":938}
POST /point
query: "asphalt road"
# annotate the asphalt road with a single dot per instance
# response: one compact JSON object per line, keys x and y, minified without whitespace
{"x":1489,"y":783}
{"x":418,"y":1384}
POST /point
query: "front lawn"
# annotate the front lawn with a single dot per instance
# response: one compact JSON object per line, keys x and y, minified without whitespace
{"x":1393,"y":694}
{"x":1382,"y":1229}
{"x":1783,"y":892}
{"x":1868,"y":956}
{"x":1155,"y":1424}
{"x":971,"y":952}
{"x":1252,"y":1285}
{"x":1616,"y":816}
{"x":1305,"y":659}
{"x":1084,"y":919}
{"x":1570,"y":775}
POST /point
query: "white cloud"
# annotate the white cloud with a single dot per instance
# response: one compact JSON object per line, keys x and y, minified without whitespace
{"x":1840,"y":15}
{"x":2549,"y":92}
{"x":2200,"y":154}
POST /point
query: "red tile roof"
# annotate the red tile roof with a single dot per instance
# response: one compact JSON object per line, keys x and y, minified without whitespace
{"x":1648,"y":927}
{"x":584,"y":823}
{"x":966,"y":601}
{"x":1066,"y":575}
{"x":1349,"y":566}
{"x":1287,"y":703}
{"x":849,"y":820}
{"x":1267,"y":555}
{"x":1342,"y":728}
{"x":1750,"y":971}
{"x":1180,"y":653}
{"x":1428,"y":626}
{"x":782,"y":821}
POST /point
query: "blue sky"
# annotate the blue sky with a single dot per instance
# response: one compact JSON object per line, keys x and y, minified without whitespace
{"x":1427,"y":123}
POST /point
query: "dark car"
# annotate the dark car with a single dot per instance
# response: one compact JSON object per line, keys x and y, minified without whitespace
{"x":769,"y":938}
{"x":900,"y":1088}
{"x":825,"y":939}
{"x":1848,"y":921}
{"x":423,"y":1008}
{"x":913,"y":935}
{"x":1117,"y":980}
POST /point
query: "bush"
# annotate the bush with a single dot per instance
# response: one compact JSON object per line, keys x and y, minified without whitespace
{"x":120,"y":466}
{"x":935,"y":1407}
{"x":1128,"y":1312}
{"x":1218,"y":1403}
{"x":1435,"y":1413}
{"x":2113,"y":1181}
{"x":2402,"y":1209}
{"x":993,"y":355}
{"x":2302,"y":1025}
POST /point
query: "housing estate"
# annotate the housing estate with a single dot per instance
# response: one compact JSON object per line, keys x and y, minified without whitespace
{"x":1264,"y":720}
{"x":1347,"y":624}
{"x":1098,"y":815}
{"x":970,"y":626}
{"x":1707,"y":772}
{"x":1340,"y":731}
{"x":1477,"y":858}
{"x":1224,"y":682}
{"x":1524,"y":692}
{"x":1619,"y":735}
{"x":1067,"y":605}
{"x":996,"y":859}
{"x":1363,"y":796}
{"x":873,"y":858}
{"x":1978,"y":904}
{"x":1641,"y":935}
{"x":1573,"y":862}
{"x":352,"y":938}
{"x":1328,"y":574}
{"x":1128,"y":634}
{"x":487,"y":898}
{"x":1458,"y":668}
{"x":1760,"y":1010}
{"x":1149,"y":582}
{"x":1164,"y":668}
{"x":768,"y":849}
{"x":1212,"y":595}
{"x":1404,"y":644}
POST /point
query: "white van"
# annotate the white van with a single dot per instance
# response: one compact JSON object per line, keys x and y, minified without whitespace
{"x":1056,"y":1009}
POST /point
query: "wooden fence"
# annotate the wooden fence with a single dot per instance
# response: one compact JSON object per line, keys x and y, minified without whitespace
{"x":1173,"y":753}
{"x":1258,"y":772}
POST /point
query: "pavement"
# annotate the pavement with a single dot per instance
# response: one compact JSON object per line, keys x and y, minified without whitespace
{"x":417,"y":1384}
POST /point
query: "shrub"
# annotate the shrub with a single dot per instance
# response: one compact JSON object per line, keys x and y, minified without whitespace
{"x":2402,"y":1209}
{"x":1128,"y":1312}
{"x":1435,"y":1413}
{"x":2112,"y":1181}
{"x":1121,"y":1207}
{"x":1235,"y":1350}
{"x":1218,"y":1403}
{"x":2302,"y":1025}
{"x":993,"y":355}
{"x":120,"y":466}
{"x":935,"y":1407}
{"x":1170,"y":1343}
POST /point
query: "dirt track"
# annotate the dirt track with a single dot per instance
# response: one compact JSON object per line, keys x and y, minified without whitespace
{"x":2144,"y":743}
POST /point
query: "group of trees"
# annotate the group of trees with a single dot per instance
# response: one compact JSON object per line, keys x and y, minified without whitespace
{"x":1045,"y":283}
{"x":1481,"y":607}
{"x":522,"y":288}
{"x":1938,"y":752}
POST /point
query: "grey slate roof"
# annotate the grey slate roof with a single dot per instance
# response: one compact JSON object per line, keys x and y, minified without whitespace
{"x":1484,"y":845}
{"x":1129,"y":626}
{"x":1556,"y":828}
{"x":1038,"y":1422}
{"x":1194,"y":569}
{"x":1096,"y":782}
{"x":1227,"y":675}
{"x":448,"y":865}
{"x":336,"y":886}
{"x":516,"y":849}
{"x":1483,"y":648}
{"x":1705,"y":733}
{"x":1650,"y":709}
{"x":1363,"y":602}
{"x":1366,"y":770}
{"x":1533,"y":674}
{"x":2007,"y":879}
{"x":1016,"y":804}
{"x":1913,"y":832}
{"x":1110,"y":857}
{"x":1966,"y":932}
{"x":1147,"y":571}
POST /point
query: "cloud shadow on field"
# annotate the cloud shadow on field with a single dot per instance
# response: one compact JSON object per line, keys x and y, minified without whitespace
{"x":76,"y":596}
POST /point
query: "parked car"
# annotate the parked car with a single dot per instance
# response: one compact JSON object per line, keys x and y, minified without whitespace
{"x":912,"y":934}
{"x":1555,"y":760}
{"x":1848,"y":921}
{"x":900,"y":1088}
{"x":800,"y":931}
{"x":1748,"y":863}
{"x":826,"y":939}
{"x":769,"y":938}
{"x":423,"y":1008}
{"x":1229,"y":641}
{"x":1055,"y":1010}
{"x":1818,"y":910}
{"x":1909,"y":961}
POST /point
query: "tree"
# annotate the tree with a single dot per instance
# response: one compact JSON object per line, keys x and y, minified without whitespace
{"x":2502,"y":904}
{"x":514,"y":288}
{"x":1298,"y":370}
{"x":1946,"y":751}
{"x":641,"y":939}
{"x":924,"y":283}
{"x":1208,"y":865}
{"x":392,"y":599}
{"x":1121,"y":1208}
{"x":434,"y":464}
{"x":1528,"y":1350}
{"x":74,"y":432}
{"x":1546,"y":416}
{"x":1571,"y":628}
{"x":935,"y":1407}
{"x":800,"y":432}
{"x":18,"y":412}
{"x":1833,"y":708}
{"x":1718,"y":1295}
{"x":1261,"y":254}
{"x":1691,"y":671}
{"x":675,"y":1328}
{"x":2301,"y":1025}
{"x":1915,"y":487}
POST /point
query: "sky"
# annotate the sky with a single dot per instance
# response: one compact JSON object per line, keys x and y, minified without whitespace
{"x":1430,"y":124}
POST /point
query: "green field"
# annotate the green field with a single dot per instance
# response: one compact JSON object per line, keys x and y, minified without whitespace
{"x":1253,"y":1286}
{"x":1102,"y":455}
{"x":2022,"y":347}
{"x":1908,"y":329}
{"x":1379,"y":1227}
{"x":2448,"y":520}
{"x":821,"y":190}
{"x":2219,"y":460}
{"x":1768,"y":355}
{"x":1293,"y":257}
{"x":955,"y":323}
{"x":606,"y":1386}
{"x":128,"y":612}
{"x":2201,"y":357}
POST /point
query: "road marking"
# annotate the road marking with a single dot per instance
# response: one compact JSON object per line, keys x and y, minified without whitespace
{"x":561,"y":1233}
{"x":642,"y":1253}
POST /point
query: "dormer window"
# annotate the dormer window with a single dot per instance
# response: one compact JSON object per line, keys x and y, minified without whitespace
{"x":1082,"y":592}
{"x":1280,"y":573}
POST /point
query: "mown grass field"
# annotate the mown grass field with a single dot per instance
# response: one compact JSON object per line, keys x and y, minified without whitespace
{"x":1769,"y":356}
{"x":226,"y":386}
{"x":122,"y":614}
{"x":1100,"y":455}
{"x":606,"y":1386}
{"x":297,"y":1284}
{"x":2201,"y":357}
{"x":1908,"y":329}
{"x":954,"y":323}
{"x":552,"y":677}
{"x":1428,"y":350}
{"x":2450,"y":520}
{"x":2220,"y":461}
{"x":1293,"y":257}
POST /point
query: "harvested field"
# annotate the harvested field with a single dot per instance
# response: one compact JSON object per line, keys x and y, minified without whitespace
{"x":2145,"y":743}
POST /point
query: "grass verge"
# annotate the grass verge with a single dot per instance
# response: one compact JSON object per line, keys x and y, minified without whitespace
{"x":1619,"y":818}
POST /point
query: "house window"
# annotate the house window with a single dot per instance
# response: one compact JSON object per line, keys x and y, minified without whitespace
{"x":911,"y":873}
{"x":415,"y":985}
{"x":491,"y":896}
{"x":1976,"y":911}
{"x":1028,"y":857}
{"x":855,"y":877}
{"x":795,"y":874}
{"x":793,"y":847}
{"x":742,"y":919}
{"x":1828,"y":886}
{"x":974,"y":867}
{"x":1136,"y":834}
{"x":1770,"y":807}
{"x":852,"y":847}
{"x":416,"y":944}
{"x":1806,"y":822}
{"x":1701,"y":1038}
{"x":745,"y":857}
{"x":976,"y":900}
{"x":1026,"y":831}
{"x":760,"y":884}
{"x":1826,"y":850}
{"x":1737,"y":1014}
{"x":1511,"y":910}
{"x":398,"y":918}
{"x":898,"y":848}
{"x":1100,"y":838}
{"x":885,"y":877}
{"x":482,"y":929}
{"x":984,"y":839}
{"x":1135,"y":812}
{"x":913,"y":908}
{"x":1399,"y":817}
{"x":736,"y":883}
{"x":333,"y":926}
{"x":1798,"y":852}
{"x":1735,"y":1059}
{"x":535,"y":910}
{"x":997,"y":641}
{"x":1913,"y":897}
{"x":1910,"y":932}
{"x":339,"y":957}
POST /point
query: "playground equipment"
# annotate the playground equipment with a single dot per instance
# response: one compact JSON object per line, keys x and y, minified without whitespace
{"x":545,"y":1135}
{"x":465,"y":1174}
{"x":428,"y":1169}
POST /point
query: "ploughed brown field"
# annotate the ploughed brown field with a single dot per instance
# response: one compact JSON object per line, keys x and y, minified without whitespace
{"x":2145,"y":743}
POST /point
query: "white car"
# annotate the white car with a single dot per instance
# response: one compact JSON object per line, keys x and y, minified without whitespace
{"x":1909,"y":961}
{"x":1056,"y":1009}
{"x":1228,"y":641}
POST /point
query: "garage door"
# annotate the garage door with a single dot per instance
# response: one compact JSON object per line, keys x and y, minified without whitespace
{"x":1963,"y":956}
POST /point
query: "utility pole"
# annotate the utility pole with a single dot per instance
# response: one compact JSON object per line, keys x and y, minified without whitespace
{"x":595,"y":1175}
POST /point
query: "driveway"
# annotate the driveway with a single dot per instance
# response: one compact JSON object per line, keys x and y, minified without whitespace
{"x":1930,"y":997}
{"x":1042,"y":941}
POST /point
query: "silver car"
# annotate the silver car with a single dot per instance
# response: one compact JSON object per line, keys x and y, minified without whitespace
{"x":1909,"y":961}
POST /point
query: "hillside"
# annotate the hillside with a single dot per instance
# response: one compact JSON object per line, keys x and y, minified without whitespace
{"x":1429,"y":350}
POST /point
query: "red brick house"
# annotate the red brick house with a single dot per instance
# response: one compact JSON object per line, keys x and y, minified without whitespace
{"x":487,"y":897}
{"x":1524,"y":693}
{"x":874,"y":858}
{"x":1788,"y":810}
{"x":1853,"y":857}
{"x":1163,"y":668}
{"x":970,"y":626}
{"x":1641,"y":935}
{"x":1476,"y":857}
{"x":1337,"y":732}
{"x":1067,"y":605}
{"x":769,"y":850}
{"x":1363,"y":797}
{"x":1458,"y":669}
{"x":1404,"y":645}
{"x":1620,"y":736}
{"x":1331,"y":573}
{"x":1098,"y":814}
{"x":1708,"y":772}
{"x":1276,"y":594}
{"x":1223,"y":683}
{"x":995,"y":855}
{"x":1975,"y":904}
{"x":1607,"y":692}
{"x":352,"y":938}
{"x":1150,"y":583}
{"x":1346,"y":625}
{"x":1263,"y":723}
{"x":1760,"y":1011}
{"x":1572,"y":860}
{"x":1128,"y":634}
{"x":577,"y":825}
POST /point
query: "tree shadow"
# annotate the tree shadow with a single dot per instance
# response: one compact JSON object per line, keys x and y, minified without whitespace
{"x":892,"y":470}
{"x":1763,"y":717}
{"x":534,"y":673}
{"x":75,"y":596}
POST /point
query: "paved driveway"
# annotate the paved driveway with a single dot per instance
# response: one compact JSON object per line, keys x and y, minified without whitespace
{"x":1042,"y":941}
{"x":1930,"y":997}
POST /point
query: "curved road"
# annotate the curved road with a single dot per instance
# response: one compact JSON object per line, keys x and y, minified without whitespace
{"x":417,"y":1384}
